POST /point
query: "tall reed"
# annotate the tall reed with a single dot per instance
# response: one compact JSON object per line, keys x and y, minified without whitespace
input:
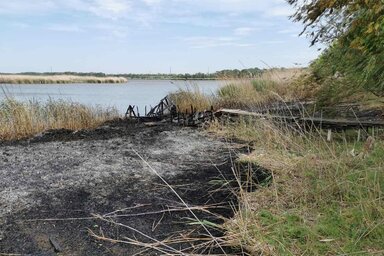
{"x":23,"y":119}
{"x":193,"y":96}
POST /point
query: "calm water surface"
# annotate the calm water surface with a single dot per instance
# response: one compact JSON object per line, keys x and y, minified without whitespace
{"x":136,"y":92}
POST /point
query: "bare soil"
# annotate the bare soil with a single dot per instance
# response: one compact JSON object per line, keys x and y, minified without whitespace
{"x":52,"y":185}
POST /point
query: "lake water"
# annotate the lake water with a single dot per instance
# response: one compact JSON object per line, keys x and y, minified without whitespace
{"x":140,"y":93}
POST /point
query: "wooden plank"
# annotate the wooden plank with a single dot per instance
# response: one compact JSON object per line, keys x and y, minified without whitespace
{"x":325,"y":123}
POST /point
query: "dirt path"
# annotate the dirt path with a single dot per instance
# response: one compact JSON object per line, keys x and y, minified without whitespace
{"x":65,"y":175}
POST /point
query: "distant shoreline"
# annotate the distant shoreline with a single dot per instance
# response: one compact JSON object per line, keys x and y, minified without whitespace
{"x":60,"y":79}
{"x":72,"y":79}
{"x":94,"y":77}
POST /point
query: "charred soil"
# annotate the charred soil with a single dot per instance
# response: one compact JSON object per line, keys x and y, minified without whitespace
{"x":53,"y":185}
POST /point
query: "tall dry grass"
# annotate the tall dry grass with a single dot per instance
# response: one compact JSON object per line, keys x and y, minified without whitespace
{"x":23,"y":119}
{"x":58,"y":79}
{"x":271,"y":86}
{"x":193,"y":96}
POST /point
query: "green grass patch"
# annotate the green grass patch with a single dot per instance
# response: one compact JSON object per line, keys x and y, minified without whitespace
{"x":325,"y":198}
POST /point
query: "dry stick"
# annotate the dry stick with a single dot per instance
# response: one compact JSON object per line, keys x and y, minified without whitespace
{"x":110,"y":215}
{"x":125,"y":209}
{"x":130,"y":242}
{"x":135,"y":230}
{"x":175,"y":241}
{"x":181,"y":199}
{"x":155,"y":225}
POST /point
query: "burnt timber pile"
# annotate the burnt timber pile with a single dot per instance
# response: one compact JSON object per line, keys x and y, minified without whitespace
{"x":166,"y":110}
{"x":295,"y":114}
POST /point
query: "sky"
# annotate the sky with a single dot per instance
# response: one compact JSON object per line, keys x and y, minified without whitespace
{"x":149,"y":36}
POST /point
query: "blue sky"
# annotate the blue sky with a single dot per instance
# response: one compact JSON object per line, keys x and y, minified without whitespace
{"x":148,"y":36}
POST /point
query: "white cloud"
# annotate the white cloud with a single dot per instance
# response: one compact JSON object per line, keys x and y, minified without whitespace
{"x":239,"y":17}
{"x":64,"y":28}
{"x":280,"y":11}
{"x":273,"y":42}
{"x":211,"y":42}
{"x":152,"y":3}
{"x":117,"y":8}
{"x":23,"y":7}
{"x":113,"y":9}
{"x":235,"y":7}
{"x":110,"y":31}
{"x":243,"y":31}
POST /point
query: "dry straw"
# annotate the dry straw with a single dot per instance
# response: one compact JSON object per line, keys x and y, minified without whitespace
{"x":23,"y":119}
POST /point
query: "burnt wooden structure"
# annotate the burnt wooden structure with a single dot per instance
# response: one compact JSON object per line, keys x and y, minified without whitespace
{"x":292,"y":114}
{"x":167,"y":110}
{"x":301,"y":122}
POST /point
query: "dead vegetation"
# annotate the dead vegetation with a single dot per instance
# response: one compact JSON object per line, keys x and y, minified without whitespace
{"x":23,"y":119}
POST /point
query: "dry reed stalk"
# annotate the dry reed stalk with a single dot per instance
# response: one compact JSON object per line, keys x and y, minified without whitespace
{"x":19,"y":120}
{"x":189,"y":96}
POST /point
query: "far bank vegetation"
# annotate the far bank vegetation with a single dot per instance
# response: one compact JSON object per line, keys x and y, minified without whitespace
{"x":59,"y":79}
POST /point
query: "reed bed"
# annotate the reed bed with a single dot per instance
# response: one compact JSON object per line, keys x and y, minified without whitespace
{"x":24,"y":119}
{"x":244,"y":94}
{"x":271,"y":86}
{"x":58,"y":79}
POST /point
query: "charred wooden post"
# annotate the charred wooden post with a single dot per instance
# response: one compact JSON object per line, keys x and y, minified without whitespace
{"x":173,"y":112}
{"x":185,"y":118}
{"x":130,"y":112}
{"x":161,"y":109}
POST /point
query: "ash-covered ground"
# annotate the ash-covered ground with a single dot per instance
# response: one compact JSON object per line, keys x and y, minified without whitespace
{"x":52,"y":185}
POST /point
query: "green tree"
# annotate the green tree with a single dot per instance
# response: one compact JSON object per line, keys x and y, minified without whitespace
{"x":354,"y":28}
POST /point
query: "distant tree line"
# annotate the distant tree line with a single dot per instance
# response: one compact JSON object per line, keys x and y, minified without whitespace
{"x":228,"y":73}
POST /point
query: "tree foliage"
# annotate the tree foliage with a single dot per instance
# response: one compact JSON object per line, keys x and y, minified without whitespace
{"x":354,"y":30}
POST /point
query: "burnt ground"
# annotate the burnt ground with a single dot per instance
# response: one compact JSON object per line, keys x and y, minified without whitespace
{"x":52,"y":185}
